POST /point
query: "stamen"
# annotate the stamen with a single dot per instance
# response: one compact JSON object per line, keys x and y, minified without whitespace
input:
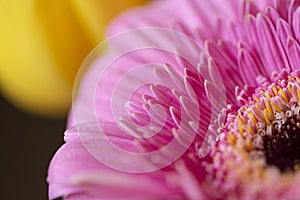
{"x":250,"y":130}
{"x":298,"y":93}
{"x":275,"y":90}
{"x":248,"y":143}
{"x":240,"y":126}
{"x":266,"y":117}
{"x":269,"y":109}
{"x":256,"y":99}
{"x":253,"y":119}
{"x":283,"y":95}
{"x":289,"y":87}
{"x":268,"y":95}
{"x":268,"y":127}
{"x":231,"y":139}
{"x":274,"y":105}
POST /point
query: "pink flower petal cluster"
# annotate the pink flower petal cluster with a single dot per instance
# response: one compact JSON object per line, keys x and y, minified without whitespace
{"x":198,"y":97}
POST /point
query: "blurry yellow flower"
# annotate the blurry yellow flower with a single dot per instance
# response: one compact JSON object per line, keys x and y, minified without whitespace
{"x":43,"y":44}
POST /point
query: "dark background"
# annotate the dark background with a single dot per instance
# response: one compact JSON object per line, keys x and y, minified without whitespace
{"x":27,"y":146}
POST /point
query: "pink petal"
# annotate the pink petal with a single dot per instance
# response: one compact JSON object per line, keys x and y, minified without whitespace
{"x":282,"y":7}
{"x":272,"y":14}
{"x":70,"y":159}
{"x":193,"y":15}
{"x":272,"y":49}
{"x":74,"y":171}
{"x":293,"y":6}
{"x":296,"y":23}
{"x":225,"y":64}
{"x":283,"y":30}
{"x":113,"y":185}
{"x":189,"y":182}
{"x":250,"y":30}
{"x":249,"y":67}
{"x":294,"y":53}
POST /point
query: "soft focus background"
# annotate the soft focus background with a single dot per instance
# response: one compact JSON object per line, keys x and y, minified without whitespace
{"x":27,"y":144}
{"x":42,"y":44}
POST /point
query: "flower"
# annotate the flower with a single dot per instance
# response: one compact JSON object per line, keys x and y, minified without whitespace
{"x":43,"y":45}
{"x":222,"y":83}
{"x":260,"y":141}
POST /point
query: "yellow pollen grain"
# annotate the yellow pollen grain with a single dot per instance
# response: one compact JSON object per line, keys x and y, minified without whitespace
{"x":261,"y":92}
{"x":243,"y":153}
{"x":275,"y":90}
{"x":290,"y":77}
{"x":249,"y":130}
{"x":231,"y":139}
{"x":274,"y":105}
{"x":240,"y":126}
{"x":289,"y":87}
{"x":253,"y":119}
{"x":298,"y":94}
{"x":283,"y":95}
{"x":268,"y":95}
{"x":244,"y":120}
{"x":269,"y":109}
{"x":266,"y":117}
{"x":256,"y":99}
{"x":257,"y":106}
{"x":248,"y":144}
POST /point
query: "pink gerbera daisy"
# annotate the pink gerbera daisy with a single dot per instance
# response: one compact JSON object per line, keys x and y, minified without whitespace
{"x":195,"y":100}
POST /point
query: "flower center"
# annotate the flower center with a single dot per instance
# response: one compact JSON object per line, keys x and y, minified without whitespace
{"x":268,"y":127}
{"x":281,"y":141}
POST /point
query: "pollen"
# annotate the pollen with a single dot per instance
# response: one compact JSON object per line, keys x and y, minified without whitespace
{"x":274,"y":89}
{"x":266,"y":117}
{"x":269,"y":128}
{"x":276,"y":107}
{"x":284,"y":97}
{"x":256,"y":99}
{"x":269,"y":109}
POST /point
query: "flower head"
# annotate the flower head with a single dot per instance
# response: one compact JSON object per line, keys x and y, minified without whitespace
{"x":260,"y":141}
{"x":206,"y":109}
